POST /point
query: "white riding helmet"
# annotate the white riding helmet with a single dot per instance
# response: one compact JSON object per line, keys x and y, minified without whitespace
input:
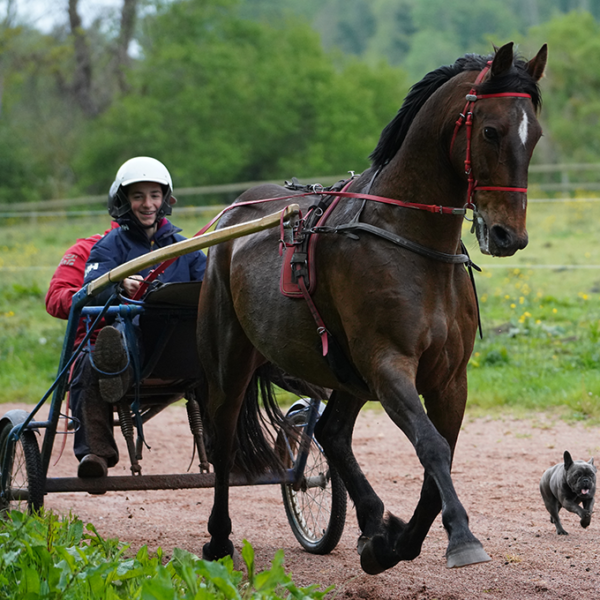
{"x":140,"y":168}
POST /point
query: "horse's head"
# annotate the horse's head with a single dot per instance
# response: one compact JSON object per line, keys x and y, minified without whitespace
{"x":501,"y":132}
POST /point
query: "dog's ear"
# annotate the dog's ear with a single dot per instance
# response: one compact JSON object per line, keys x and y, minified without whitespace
{"x":568,"y":460}
{"x":591,"y":461}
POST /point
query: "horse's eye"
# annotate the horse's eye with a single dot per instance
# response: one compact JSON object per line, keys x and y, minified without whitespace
{"x":490,"y":133}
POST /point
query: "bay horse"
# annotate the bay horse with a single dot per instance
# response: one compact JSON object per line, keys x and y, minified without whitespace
{"x":395,"y":309}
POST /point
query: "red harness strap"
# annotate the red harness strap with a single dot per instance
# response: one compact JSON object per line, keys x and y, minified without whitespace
{"x":432,"y":208}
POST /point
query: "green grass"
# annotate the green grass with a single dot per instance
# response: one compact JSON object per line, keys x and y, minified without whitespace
{"x":47,"y":558}
{"x":541,"y":318}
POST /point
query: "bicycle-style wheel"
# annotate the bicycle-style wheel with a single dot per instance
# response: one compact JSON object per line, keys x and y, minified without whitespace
{"x":316,"y":510}
{"x":22,"y":487}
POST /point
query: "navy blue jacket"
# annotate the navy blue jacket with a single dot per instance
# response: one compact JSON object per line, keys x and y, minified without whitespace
{"x":130,"y":241}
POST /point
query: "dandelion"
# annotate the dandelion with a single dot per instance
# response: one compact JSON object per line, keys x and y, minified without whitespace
{"x":513,"y":305}
{"x":43,"y":341}
{"x":555,"y":310}
{"x":521,"y":299}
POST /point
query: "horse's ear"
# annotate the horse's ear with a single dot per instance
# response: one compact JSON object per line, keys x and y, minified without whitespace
{"x":536,"y":66}
{"x":503,"y":60}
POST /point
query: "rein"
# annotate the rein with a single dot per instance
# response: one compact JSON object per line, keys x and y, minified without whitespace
{"x":315,"y":191}
{"x":466,"y":118}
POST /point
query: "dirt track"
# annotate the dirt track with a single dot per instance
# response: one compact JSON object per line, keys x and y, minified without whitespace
{"x":497,"y":470}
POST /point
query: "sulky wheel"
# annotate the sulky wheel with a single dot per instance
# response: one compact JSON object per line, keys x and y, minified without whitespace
{"x":21,"y":485}
{"x":316,"y":510}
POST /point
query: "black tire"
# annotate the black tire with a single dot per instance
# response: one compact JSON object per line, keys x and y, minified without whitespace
{"x":24,"y":487}
{"x":317,"y":513}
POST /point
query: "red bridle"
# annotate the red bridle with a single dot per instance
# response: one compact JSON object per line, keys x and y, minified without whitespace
{"x":466,"y":118}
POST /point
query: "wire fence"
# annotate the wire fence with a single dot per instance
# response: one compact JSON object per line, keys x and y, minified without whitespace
{"x":64,"y":208}
{"x":544,"y":179}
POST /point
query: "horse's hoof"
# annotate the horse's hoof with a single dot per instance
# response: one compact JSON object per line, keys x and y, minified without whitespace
{"x":368,"y":561}
{"x":467,"y":554}
{"x":207,"y":554}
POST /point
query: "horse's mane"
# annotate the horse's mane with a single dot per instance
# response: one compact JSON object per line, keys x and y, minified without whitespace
{"x":517,"y":79}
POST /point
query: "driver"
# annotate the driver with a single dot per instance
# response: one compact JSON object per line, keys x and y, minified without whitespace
{"x":139,"y":200}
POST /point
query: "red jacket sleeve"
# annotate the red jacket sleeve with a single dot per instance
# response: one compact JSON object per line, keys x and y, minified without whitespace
{"x":68,"y":277}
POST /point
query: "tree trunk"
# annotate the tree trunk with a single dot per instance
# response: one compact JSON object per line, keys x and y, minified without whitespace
{"x":128,"y":15}
{"x":81,"y":87}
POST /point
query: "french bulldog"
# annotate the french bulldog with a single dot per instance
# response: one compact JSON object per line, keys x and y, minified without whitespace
{"x":567,"y":485}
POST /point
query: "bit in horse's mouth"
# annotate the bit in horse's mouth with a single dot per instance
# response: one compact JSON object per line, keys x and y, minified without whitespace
{"x":482,"y":232}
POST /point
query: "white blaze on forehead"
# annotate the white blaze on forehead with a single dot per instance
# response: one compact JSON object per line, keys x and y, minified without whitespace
{"x":523,"y":127}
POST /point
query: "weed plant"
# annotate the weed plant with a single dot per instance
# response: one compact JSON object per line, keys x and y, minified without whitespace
{"x":47,"y":558}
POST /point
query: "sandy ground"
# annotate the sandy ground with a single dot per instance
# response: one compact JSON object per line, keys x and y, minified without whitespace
{"x":497,"y":469}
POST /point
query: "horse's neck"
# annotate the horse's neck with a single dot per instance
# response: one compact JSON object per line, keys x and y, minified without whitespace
{"x":419,"y":181}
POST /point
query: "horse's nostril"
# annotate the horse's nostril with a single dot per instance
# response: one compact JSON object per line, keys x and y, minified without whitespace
{"x":501,"y":236}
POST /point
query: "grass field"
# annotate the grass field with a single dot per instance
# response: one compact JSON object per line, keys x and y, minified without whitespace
{"x":540,"y":313}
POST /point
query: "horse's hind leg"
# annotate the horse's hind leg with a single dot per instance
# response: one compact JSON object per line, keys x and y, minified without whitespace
{"x":334,"y":433}
{"x":223,"y":425}
{"x":229,"y":361}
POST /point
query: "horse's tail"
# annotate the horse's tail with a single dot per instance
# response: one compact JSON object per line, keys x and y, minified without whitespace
{"x":258,"y":448}
{"x":259,"y":424}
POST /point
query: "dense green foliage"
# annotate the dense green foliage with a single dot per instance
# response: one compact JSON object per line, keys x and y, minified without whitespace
{"x":238,"y":90}
{"x":571,"y":111}
{"x":47,"y":558}
{"x":224,"y":99}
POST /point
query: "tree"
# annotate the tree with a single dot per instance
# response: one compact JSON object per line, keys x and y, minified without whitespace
{"x":223,"y":99}
{"x":94,"y":92}
{"x":572,"y":86}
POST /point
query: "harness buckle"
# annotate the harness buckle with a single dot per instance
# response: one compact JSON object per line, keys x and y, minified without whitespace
{"x":467,"y":206}
{"x":471,"y":98}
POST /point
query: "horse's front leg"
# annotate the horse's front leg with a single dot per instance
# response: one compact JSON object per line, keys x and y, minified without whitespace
{"x":434,"y":445}
{"x":334,"y":432}
{"x":445,"y":411}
